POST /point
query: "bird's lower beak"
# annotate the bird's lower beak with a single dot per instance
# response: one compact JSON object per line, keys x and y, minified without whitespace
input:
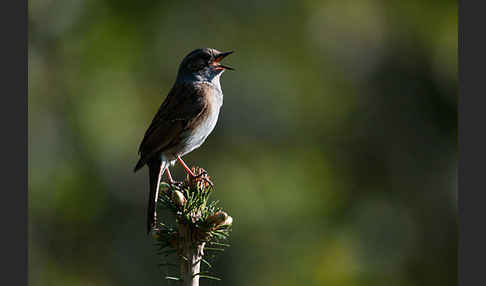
{"x":221,"y":57}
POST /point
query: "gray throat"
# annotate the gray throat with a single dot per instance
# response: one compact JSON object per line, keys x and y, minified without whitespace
{"x":207,"y":77}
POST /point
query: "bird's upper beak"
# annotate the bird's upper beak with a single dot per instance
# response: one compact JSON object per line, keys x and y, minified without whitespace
{"x":220,"y":57}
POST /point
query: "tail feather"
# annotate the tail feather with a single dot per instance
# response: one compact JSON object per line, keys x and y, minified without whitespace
{"x":139,"y":165}
{"x":156,"y":170}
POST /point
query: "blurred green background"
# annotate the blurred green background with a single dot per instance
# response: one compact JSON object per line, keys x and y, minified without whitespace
{"x":335,"y":151}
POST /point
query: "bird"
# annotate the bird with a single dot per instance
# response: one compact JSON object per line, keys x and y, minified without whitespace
{"x":183,"y":121}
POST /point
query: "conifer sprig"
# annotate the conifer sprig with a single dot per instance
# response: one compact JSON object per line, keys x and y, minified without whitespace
{"x":199,"y":222}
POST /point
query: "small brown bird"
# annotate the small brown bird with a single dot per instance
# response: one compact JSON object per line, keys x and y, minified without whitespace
{"x":184,"y":120}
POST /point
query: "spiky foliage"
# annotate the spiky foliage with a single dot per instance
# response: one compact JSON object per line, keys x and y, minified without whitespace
{"x":199,"y":222}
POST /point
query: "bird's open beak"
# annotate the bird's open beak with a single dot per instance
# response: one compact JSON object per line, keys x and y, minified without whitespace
{"x":220,"y":57}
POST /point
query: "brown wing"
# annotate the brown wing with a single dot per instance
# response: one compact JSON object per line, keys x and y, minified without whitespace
{"x":184,"y":104}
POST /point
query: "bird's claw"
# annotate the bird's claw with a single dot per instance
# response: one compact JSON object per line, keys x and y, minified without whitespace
{"x":203,"y":175}
{"x":209,"y":181}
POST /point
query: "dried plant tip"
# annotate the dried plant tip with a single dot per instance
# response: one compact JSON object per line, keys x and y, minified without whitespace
{"x":219,"y":219}
{"x":227,"y":221}
{"x":202,"y":179}
{"x":179,"y":198}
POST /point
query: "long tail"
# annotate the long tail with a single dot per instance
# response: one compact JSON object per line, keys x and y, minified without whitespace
{"x":156,"y":170}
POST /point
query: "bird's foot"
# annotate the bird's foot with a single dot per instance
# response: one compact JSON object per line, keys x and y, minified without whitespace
{"x":199,"y":175}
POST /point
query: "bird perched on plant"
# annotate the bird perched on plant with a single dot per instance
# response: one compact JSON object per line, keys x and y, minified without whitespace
{"x":184,"y":120}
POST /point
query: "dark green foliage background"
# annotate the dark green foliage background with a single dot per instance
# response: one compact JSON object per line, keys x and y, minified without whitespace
{"x":335,"y":151}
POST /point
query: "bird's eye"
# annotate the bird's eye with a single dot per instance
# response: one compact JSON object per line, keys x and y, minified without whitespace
{"x":196,"y":65}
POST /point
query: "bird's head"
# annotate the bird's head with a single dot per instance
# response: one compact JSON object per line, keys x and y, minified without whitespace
{"x":203,"y":65}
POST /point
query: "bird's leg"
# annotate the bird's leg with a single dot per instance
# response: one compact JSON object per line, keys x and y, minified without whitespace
{"x":171,"y":180}
{"x":169,"y":176}
{"x":185,"y":167}
{"x":191,"y":173}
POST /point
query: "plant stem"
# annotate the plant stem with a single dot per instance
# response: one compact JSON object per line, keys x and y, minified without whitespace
{"x":191,"y":252}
